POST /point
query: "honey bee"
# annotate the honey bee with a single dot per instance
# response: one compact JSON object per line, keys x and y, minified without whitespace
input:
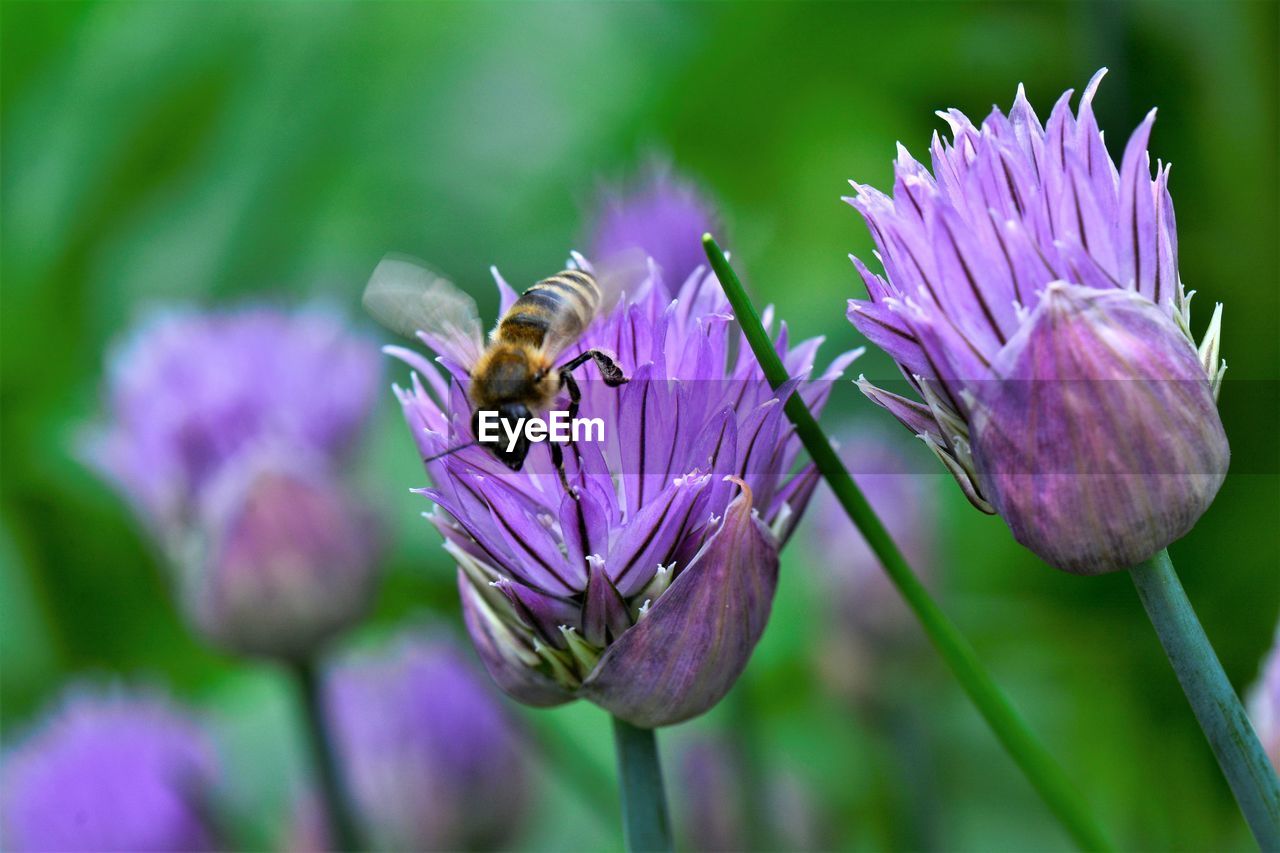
{"x":516,"y":374}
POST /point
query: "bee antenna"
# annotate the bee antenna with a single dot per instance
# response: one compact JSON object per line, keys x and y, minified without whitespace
{"x":451,"y":451}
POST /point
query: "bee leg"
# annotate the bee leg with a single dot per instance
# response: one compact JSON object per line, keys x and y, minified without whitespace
{"x":609,"y":370}
{"x":570,"y":384}
{"x":557,"y":459}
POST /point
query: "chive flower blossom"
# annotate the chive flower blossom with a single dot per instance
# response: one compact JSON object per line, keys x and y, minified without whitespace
{"x":1031,"y":298}
{"x":647,"y":590}
{"x":109,"y":771}
{"x":1264,"y":704}
{"x":432,"y":758}
{"x":229,"y":434}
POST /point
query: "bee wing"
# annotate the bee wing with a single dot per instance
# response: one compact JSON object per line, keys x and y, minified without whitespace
{"x":621,"y":273}
{"x":412,"y":300}
{"x":555,"y":344}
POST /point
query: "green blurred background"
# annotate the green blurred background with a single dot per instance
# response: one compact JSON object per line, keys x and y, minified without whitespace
{"x":212,"y":152}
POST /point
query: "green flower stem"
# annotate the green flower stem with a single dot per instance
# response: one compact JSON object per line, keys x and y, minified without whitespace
{"x":1036,"y":763}
{"x":337,"y":805}
{"x":1216,"y":706}
{"x":644,"y":804}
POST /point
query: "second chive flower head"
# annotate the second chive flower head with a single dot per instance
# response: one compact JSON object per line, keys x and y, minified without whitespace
{"x":1031,"y":297}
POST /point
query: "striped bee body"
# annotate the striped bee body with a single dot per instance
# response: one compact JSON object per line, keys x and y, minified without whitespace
{"x":518,"y":373}
{"x":556,"y":309}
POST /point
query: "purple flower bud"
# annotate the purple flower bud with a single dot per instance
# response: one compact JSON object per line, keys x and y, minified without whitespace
{"x":1090,"y":368}
{"x":109,"y":772}
{"x":1032,"y":300}
{"x":433,"y":760}
{"x":647,"y":591}
{"x":664,"y":217}
{"x":228,"y":432}
{"x":1264,"y":704}
{"x":290,"y":561}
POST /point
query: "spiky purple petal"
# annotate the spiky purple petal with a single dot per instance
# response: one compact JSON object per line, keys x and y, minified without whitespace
{"x":694,"y":641}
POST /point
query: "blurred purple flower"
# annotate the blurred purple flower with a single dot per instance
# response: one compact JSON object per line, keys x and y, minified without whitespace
{"x":228,"y":433}
{"x":1264,"y":704}
{"x":663,"y":216}
{"x":646,"y":594}
{"x":866,"y":615}
{"x":716,"y":812}
{"x":109,"y":772}
{"x":1033,"y":302}
{"x":433,"y":760}
{"x":188,"y":392}
{"x":289,"y":561}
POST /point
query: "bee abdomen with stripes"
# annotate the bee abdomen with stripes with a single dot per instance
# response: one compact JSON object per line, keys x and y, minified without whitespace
{"x":560,"y":307}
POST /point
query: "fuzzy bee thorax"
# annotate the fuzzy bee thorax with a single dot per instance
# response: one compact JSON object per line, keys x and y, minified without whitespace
{"x":513,"y":373}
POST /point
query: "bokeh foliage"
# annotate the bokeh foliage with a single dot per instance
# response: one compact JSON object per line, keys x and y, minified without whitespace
{"x":274,"y":151}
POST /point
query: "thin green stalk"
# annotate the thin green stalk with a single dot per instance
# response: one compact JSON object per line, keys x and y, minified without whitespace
{"x":644,"y":804}
{"x":1036,"y":763}
{"x":1216,"y":706}
{"x":337,"y":805}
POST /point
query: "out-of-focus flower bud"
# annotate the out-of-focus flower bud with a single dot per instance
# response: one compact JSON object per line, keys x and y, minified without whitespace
{"x":289,"y":561}
{"x":432,"y":758}
{"x":229,"y":433}
{"x":1032,"y":299}
{"x":108,"y":772}
{"x":1264,"y":704}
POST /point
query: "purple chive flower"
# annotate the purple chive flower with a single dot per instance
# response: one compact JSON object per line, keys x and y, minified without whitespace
{"x":108,"y":772}
{"x":433,"y":760}
{"x":647,"y":592}
{"x":1033,"y":302}
{"x":865,"y":613}
{"x":228,"y":432}
{"x":664,"y":218}
{"x":1264,"y":704}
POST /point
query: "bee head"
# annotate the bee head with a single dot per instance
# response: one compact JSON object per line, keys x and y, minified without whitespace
{"x":510,"y":417}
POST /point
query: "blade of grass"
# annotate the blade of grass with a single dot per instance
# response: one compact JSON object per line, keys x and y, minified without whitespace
{"x":1040,"y":768}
